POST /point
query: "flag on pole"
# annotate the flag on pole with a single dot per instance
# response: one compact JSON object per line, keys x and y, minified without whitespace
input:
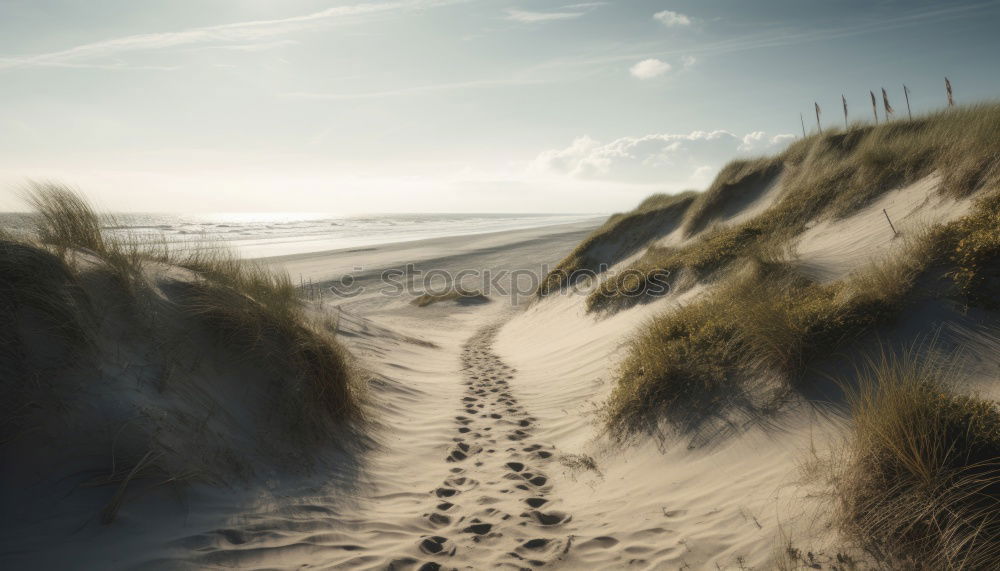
{"x":947,"y":86}
{"x":818,"y":111}
{"x":874,"y":106}
{"x":885,"y":101}
{"x":844,"y":99}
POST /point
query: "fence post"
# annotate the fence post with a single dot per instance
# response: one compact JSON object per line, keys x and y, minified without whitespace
{"x":894,"y":231}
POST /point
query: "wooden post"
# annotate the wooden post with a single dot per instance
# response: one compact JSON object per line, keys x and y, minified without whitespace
{"x":874,"y":106}
{"x":894,"y":232}
{"x":818,"y":125}
{"x":844,"y":99}
{"x":803,"y":121}
{"x":906,"y":93}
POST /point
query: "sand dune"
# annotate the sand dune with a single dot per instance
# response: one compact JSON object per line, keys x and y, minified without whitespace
{"x":486,"y":443}
{"x":488,"y":450}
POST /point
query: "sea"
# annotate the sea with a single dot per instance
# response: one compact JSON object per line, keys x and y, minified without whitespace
{"x":268,"y":234}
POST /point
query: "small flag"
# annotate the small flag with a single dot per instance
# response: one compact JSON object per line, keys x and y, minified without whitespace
{"x":874,"y":106}
{"x":951,"y":99}
{"x":885,"y":101}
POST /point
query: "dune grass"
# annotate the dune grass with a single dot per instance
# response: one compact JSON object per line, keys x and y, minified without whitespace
{"x":735,"y":181}
{"x":37,"y":293}
{"x":35,"y":278}
{"x":763,"y":320}
{"x":921,"y":488}
{"x":67,"y":222}
{"x":256,"y":311}
{"x":620,"y":236}
{"x":710,"y":253}
{"x":976,"y":253}
{"x":832,"y":174}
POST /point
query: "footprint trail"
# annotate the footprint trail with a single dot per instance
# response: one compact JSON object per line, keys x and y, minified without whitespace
{"x":496,"y":506}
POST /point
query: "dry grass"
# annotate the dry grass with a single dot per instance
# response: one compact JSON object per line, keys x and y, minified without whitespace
{"x":833,"y":174}
{"x":709,"y":254}
{"x":922,"y":485}
{"x":38,"y":294}
{"x":763,"y":320}
{"x":976,"y":253}
{"x":734,"y":182}
{"x":620,"y":236}
{"x":256,"y":311}
{"x":66,"y":221}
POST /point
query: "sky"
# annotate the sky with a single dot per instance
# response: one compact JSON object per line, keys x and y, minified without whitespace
{"x":367,"y":106}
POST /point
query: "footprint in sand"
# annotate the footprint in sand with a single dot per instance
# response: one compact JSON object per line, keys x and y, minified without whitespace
{"x":436,"y":544}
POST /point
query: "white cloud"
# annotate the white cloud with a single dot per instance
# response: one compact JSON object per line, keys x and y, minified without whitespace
{"x":678,"y":160}
{"x":239,"y":33}
{"x":672,"y":19}
{"x":759,"y":141}
{"x":649,"y":68}
{"x":687,"y":62}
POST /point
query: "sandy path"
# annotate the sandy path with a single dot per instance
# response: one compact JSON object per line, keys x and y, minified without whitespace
{"x":460,"y":481}
{"x":455,"y":477}
{"x":496,"y":505}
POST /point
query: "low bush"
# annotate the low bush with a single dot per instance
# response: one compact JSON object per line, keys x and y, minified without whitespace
{"x":922,"y":486}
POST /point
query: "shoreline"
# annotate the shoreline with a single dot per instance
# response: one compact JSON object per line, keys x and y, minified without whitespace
{"x":328,"y":264}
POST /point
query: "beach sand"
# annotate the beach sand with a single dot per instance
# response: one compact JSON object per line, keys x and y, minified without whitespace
{"x":487,"y":447}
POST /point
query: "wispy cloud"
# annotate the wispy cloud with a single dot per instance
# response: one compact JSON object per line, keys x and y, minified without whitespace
{"x":672,"y":19}
{"x":416,"y":89}
{"x":235,"y":34}
{"x":529,"y":17}
{"x":567,"y":12}
{"x":255,"y":46}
